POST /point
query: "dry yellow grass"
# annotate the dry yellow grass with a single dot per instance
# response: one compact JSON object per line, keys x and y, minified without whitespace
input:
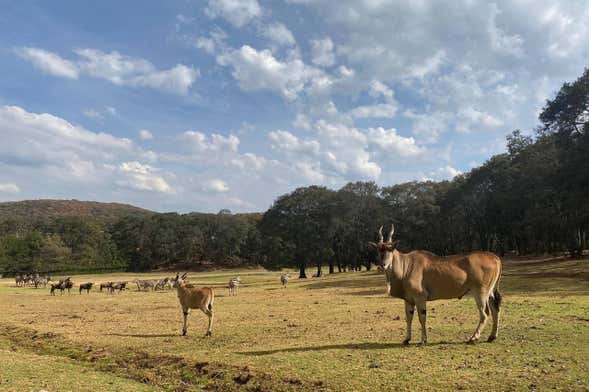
{"x":338,"y":333}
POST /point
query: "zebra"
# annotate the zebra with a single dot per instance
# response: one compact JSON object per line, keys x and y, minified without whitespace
{"x":284,"y":278}
{"x":234,"y":285}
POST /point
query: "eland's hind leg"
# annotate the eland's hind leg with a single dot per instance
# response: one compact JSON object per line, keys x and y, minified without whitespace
{"x":495,"y":305}
{"x":482,"y":301}
{"x":209,"y":313}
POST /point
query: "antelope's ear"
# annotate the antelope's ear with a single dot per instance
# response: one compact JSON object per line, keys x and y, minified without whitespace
{"x":373,"y":245}
{"x":391,"y":246}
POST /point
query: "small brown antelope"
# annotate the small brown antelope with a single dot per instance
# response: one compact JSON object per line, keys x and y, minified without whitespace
{"x":192,"y":297}
{"x":420,"y":276}
{"x":86,"y":286}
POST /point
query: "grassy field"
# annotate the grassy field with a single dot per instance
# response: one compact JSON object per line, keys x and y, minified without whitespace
{"x":336,"y":333}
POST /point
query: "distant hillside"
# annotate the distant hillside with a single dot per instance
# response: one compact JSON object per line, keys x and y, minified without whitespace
{"x":59,"y":208}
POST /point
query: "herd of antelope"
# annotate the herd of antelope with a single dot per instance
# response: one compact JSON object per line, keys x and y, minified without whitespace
{"x":416,"y":278}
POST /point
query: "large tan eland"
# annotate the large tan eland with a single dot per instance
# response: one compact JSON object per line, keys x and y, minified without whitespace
{"x":420,"y":276}
{"x":192,"y":297}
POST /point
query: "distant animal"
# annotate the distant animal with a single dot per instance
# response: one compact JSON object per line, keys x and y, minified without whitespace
{"x":67,"y":285}
{"x":117,"y":286}
{"x":419,"y":276}
{"x":62,"y":285}
{"x":192,"y":297}
{"x":163,"y":284}
{"x":284,"y":277}
{"x":53,"y":287}
{"x":106,"y":285}
{"x":146,"y":284}
{"x":234,"y":285}
{"x":41,"y":282}
{"x":86,"y":286}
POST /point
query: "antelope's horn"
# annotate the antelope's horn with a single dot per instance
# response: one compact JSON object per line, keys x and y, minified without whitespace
{"x":381,"y":239}
{"x":391,"y":234}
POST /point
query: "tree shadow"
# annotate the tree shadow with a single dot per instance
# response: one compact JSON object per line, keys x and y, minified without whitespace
{"x":365,"y":281}
{"x":380,"y":291}
{"x":147,"y":335}
{"x":347,"y":346}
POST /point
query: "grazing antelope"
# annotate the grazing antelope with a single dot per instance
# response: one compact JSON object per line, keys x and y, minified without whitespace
{"x":284,"y":277}
{"x":192,"y":297}
{"x":420,"y":276}
{"x":86,"y":286}
{"x":234,"y":285}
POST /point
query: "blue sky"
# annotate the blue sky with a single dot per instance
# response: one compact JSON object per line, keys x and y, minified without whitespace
{"x":202,"y":105}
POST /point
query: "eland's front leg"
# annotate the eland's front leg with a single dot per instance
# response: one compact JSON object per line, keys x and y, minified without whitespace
{"x":482,"y":306}
{"x":409,"y":310}
{"x":422,"y":318}
{"x":185,"y":324}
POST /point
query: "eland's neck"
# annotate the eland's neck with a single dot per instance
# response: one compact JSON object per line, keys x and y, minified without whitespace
{"x":395,"y":264}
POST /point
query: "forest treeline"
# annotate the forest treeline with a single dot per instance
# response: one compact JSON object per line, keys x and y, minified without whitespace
{"x":533,"y":199}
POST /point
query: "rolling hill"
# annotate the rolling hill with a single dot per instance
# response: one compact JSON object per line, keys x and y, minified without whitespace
{"x":49,"y":209}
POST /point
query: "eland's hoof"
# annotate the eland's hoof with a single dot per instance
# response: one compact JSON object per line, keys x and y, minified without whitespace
{"x":183,"y":333}
{"x":491,"y":339}
{"x":209,"y":333}
{"x":406,"y":342}
{"x":471,"y":341}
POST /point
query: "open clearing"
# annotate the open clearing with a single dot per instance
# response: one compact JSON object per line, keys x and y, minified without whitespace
{"x":337,"y":333}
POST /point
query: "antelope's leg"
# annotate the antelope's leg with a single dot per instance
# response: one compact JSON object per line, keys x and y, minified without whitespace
{"x":409,"y":310}
{"x":482,"y":301}
{"x":209,"y":313}
{"x":184,"y":325}
{"x":421,"y":309}
{"x":495,"y":313}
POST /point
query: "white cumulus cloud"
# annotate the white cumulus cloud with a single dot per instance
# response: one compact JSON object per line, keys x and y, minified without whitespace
{"x":236,"y":12}
{"x":215,"y":186}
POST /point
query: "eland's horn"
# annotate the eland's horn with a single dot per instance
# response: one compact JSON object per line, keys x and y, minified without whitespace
{"x":381,"y":239}
{"x":391,"y":233}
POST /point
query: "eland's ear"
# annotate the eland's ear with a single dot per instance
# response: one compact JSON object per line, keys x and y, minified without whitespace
{"x":372,"y":245}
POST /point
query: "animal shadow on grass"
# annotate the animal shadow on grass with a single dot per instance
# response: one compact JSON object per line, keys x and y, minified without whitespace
{"x":345,"y":346}
{"x":146,"y":335}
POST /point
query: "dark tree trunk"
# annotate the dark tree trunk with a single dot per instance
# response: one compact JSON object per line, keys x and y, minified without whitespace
{"x":319,"y":271}
{"x":302,"y":274}
{"x":331,"y":268}
{"x":339,"y":267}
